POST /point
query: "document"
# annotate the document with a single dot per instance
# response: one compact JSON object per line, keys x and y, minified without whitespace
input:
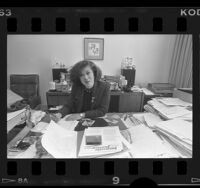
{"x":177,"y":127}
{"x":40,"y":127}
{"x":169,"y":101}
{"x":168,"y":112}
{"x":151,"y":119}
{"x":68,"y":125}
{"x":59,"y":142}
{"x":14,"y":114}
{"x":146,"y":144}
{"x":103,"y":140}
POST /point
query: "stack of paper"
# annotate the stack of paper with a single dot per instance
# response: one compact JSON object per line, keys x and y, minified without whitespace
{"x":169,"y":101}
{"x":151,"y":119}
{"x":169,"y":111}
{"x":178,"y":133}
{"x":144,"y":143}
{"x":109,"y":141}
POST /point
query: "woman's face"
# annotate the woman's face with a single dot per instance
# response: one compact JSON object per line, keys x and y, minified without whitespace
{"x":87,"y":77}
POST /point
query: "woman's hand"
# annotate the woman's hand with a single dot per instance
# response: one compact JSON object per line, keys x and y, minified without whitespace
{"x":73,"y":117}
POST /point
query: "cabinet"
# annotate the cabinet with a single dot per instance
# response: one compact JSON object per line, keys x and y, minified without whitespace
{"x":126,"y":101}
{"x":55,"y":98}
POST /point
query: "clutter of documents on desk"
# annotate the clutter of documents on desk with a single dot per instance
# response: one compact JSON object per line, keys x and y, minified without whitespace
{"x":178,"y":133}
{"x":130,"y":120}
{"x":59,"y":142}
{"x":171,"y":120}
{"x":146,"y":144}
{"x":15,"y":118}
{"x":170,"y":108}
{"x":40,"y":127}
{"x":106,"y":140}
{"x":151,"y":119}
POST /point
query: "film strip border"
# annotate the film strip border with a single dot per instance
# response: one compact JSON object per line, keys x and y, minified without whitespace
{"x":103,"y":21}
{"x":85,"y":172}
{"x":100,"y":20}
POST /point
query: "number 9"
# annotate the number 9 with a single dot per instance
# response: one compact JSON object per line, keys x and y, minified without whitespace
{"x":116,"y":180}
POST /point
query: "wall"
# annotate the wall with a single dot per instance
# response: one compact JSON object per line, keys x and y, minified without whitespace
{"x":28,"y":54}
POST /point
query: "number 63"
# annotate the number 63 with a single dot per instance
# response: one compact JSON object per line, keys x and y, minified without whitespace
{"x":6,"y":12}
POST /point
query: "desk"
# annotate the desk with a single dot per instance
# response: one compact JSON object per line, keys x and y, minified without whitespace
{"x":119,"y":101}
{"x":37,"y":151}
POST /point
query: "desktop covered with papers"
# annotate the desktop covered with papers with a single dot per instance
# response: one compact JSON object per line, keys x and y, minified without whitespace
{"x":128,"y":135}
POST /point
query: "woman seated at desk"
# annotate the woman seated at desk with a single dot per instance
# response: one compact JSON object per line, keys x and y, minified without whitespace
{"x":90,"y":97}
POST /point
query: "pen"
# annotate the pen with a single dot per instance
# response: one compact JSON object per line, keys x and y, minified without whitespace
{"x":125,"y":117}
{"x":158,"y":134}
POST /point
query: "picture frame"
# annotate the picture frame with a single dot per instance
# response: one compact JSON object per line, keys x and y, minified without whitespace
{"x":93,"y":48}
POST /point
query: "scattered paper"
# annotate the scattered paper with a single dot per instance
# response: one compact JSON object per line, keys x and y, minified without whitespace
{"x":177,"y":127}
{"x":146,"y":144}
{"x":40,"y":127}
{"x":28,"y":154}
{"x":151,"y":119}
{"x":59,"y":142}
{"x":11,"y":115}
{"x":128,"y":123}
{"x":124,"y":154}
{"x":68,"y":125}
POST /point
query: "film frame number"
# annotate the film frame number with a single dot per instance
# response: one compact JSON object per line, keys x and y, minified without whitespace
{"x":22,"y":180}
{"x":116,"y":180}
{"x":5,"y":12}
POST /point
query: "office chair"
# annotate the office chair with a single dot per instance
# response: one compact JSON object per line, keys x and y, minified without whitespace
{"x":27,"y":86}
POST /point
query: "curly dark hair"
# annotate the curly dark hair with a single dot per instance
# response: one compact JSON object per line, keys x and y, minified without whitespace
{"x":75,"y":72}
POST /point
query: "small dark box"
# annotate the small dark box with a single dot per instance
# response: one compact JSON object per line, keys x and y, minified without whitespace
{"x":93,"y":140}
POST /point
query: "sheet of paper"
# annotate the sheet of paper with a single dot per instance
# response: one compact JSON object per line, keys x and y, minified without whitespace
{"x":178,"y":127}
{"x":151,"y":119}
{"x":68,"y":125}
{"x":125,"y":154}
{"x":169,"y":101}
{"x":128,"y":123}
{"x":147,"y":144}
{"x":168,"y":112}
{"x":28,"y":154}
{"x":11,"y":115}
{"x":40,"y":127}
{"x":59,"y":142}
{"x":111,"y":141}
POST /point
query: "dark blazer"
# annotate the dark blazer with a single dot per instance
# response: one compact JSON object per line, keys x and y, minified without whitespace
{"x":100,"y":100}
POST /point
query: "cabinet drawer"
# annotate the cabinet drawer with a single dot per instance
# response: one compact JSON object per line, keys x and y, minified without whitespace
{"x":62,"y":100}
{"x":131,"y":102}
{"x":52,"y":100}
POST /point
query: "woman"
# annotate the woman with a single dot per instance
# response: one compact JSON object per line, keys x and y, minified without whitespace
{"x":90,"y":96}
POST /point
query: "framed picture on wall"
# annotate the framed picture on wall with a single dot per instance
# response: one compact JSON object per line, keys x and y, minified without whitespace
{"x":93,"y":48}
